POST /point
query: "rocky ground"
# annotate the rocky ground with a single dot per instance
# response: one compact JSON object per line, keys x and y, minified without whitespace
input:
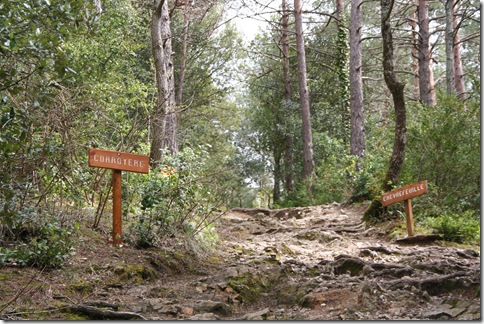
{"x":313,"y":263}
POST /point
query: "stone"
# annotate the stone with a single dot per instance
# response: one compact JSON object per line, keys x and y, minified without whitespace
{"x":201,"y":287}
{"x":468,"y":253}
{"x":155,"y":303}
{"x":367,"y":269}
{"x":257,"y":316}
{"x":231,"y":272}
{"x":352,"y":265}
{"x":209,"y":306}
{"x":204,"y":317}
{"x":169,"y":310}
{"x":188,"y":311}
{"x":222,"y":285}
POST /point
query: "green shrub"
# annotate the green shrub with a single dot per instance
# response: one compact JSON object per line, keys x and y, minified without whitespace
{"x":176,"y":200}
{"x":331,"y":181}
{"x":444,"y":148}
{"x":461,"y":228}
{"x":46,"y":245}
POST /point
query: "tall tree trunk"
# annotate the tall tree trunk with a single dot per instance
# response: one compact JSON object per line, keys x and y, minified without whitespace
{"x":413,"y":23}
{"x":458,"y":71}
{"x":396,"y":88}
{"x":276,"y":194}
{"x":307,"y":136}
{"x":342,"y":70}
{"x":183,"y":54}
{"x":449,"y":45}
{"x":357,"y":139}
{"x":289,"y":181}
{"x":426,"y":80}
{"x":454,"y":75}
{"x":171,"y":117}
{"x":164,"y":123}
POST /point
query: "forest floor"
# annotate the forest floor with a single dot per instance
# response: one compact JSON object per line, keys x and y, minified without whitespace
{"x":311,"y":263}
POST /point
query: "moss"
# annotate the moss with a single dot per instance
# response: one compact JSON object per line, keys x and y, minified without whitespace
{"x":397,"y":231}
{"x":458,"y":245}
{"x":173,"y":262}
{"x":247,"y":286}
{"x":135,"y":272}
{"x":292,"y":294}
{"x":250,"y":286}
{"x":83,"y":287}
{"x":313,"y":272}
{"x":374,"y":212}
{"x":244,"y":250}
{"x":68,"y":315}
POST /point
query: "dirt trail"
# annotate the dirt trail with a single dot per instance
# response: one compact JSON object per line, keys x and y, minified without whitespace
{"x":314,"y":263}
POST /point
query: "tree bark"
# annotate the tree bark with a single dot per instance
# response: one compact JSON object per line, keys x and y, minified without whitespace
{"x":426,"y":78}
{"x":357,"y":139}
{"x":449,"y":45}
{"x":413,"y":23}
{"x":308,"y":165}
{"x":164,"y":122}
{"x":276,"y":194}
{"x":458,"y":71}
{"x":396,"y":88}
{"x":289,"y":181}
{"x":183,"y":54}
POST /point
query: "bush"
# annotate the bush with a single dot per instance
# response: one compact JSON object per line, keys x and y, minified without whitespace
{"x":330,"y":182}
{"x":176,"y":200}
{"x":36,"y":242}
{"x":460,"y":228}
{"x":444,"y":148}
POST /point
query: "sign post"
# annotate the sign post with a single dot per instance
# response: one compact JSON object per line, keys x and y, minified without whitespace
{"x":406,"y":194}
{"x":118,"y":161}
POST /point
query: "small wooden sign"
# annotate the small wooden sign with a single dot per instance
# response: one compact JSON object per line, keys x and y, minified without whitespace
{"x":405,"y":194}
{"x":118,"y":161}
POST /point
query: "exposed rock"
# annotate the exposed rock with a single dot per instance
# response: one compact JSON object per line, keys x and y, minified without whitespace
{"x":204,"y":317}
{"x":468,"y":253}
{"x":169,"y":310}
{"x":353,"y":265}
{"x":257,"y":316}
{"x":309,"y":263}
{"x":209,"y":306}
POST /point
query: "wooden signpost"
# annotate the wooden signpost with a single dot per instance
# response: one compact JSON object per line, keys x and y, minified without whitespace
{"x":118,"y":161}
{"x":406,"y":194}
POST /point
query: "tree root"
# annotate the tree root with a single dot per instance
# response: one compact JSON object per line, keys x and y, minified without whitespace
{"x":94,"y":313}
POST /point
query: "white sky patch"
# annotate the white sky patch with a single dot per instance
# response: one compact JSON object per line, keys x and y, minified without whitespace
{"x":251,"y":18}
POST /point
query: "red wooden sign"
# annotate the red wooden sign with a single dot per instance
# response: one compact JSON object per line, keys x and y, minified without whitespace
{"x":118,"y":161}
{"x":406,"y":194}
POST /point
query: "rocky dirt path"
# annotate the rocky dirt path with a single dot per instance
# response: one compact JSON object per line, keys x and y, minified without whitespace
{"x":314,"y":263}
{"x":321,"y":263}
